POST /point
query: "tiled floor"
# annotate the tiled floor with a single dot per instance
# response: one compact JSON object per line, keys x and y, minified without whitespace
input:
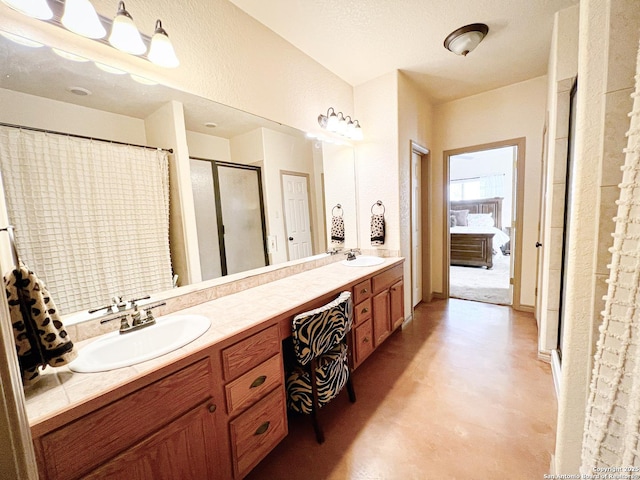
{"x":457,"y":394}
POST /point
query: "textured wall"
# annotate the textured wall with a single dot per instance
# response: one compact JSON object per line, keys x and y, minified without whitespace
{"x":506,"y":113}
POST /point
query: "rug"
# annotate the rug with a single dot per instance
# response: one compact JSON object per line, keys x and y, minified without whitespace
{"x":482,"y":285}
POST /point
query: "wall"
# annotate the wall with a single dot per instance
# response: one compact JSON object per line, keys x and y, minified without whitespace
{"x":506,"y":113}
{"x":563,"y":68}
{"x":377,"y":158}
{"x":209,"y":147}
{"x":415,"y":122}
{"x":608,"y":38}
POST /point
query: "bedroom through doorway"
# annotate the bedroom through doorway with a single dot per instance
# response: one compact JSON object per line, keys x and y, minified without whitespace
{"x":482,"y":198}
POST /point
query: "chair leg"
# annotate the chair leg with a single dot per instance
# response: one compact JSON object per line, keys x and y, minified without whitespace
{"x":316,"y":427}
{"x":351,"y":391}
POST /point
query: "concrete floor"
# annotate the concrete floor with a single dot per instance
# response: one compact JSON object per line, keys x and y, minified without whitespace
{"x":458,"y":393}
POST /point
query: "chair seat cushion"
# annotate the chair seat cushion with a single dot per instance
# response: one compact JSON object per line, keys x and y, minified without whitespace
{"x":332,"y":372}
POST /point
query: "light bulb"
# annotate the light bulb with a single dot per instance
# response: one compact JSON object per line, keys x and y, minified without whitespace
{"x":34,"y":8}
{"x":80,"y":17}
{"x":161,"y":51}
{"x":124,"y":34}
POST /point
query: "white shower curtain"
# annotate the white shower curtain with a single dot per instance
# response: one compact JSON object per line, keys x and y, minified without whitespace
{"x":612,"y":428}
{"x":91,"y":217}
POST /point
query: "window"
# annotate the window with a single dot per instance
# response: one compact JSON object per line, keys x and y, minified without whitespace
{"x":478,"y":187}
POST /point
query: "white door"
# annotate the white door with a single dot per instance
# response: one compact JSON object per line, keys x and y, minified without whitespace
{"x":296,"y":211}
{"x":416,"y":230}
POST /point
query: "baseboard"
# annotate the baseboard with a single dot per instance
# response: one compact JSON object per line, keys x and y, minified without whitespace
{"x":525,"y":308}
{"x":408,"y":319}
{"x":556,"y":371}
{"x":438,"y":296}
{"x":544,"y":356}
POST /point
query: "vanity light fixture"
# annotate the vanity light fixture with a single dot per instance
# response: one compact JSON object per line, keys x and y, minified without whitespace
{"x":34,"y":8}
{"x":80,"y":17}
{"x":338,"y":123}
{"x":124,"y":34}
{"x":161,"y":51}
{"x":465,"y":39}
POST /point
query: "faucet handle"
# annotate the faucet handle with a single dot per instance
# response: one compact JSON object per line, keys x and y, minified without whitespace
{"x":150,"y":317}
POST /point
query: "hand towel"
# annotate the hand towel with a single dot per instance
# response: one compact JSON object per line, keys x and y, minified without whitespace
{"x":39,"y":334}
{"x":377,"y":229}
{"x":337,"y":229}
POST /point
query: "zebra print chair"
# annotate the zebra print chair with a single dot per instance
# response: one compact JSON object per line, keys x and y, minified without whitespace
{"x":321,"y":347}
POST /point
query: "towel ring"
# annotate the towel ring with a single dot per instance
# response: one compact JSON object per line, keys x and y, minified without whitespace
{"x":377,"y":204}
{"x":339,"y":207}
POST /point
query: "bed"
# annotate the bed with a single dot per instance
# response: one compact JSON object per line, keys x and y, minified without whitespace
{"x":475,"y":245}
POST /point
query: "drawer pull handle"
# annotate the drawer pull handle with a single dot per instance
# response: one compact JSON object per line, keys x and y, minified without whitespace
{"x":262,"y":428}
{"x":212,"y":408}
{"x":258,"y":381}
{"x":365,"y":310}
{"x":365,"y":340}
{"x":363,"y":291}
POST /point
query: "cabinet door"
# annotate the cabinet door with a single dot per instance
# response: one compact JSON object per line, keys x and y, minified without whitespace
{"x":185,"y":449}
{"x":396,"y":293}
{"x":381,"y":322}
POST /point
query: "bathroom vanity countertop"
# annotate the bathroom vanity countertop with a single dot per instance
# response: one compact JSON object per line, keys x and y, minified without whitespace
{"x":60,"y":389}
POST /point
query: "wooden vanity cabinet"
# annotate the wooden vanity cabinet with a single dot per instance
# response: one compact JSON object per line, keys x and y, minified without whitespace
{"x":164,"y":430}
{"x":378,"y":311}
{"x":255,"y":395}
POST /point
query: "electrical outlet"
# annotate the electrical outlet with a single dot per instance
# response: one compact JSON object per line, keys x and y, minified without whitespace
{"x":272,"y":244}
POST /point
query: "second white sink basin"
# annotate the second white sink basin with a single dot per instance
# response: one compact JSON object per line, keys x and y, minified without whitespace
{"x":363,"y":261}
{"x":116,"y":350}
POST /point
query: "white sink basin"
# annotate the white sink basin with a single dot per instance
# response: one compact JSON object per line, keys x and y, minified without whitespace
{"x":116,"y":350}
{"x":363,"y":261}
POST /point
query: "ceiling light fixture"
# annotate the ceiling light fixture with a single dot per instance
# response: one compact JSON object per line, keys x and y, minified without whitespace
{"x":124,"y":34}
{"x":80,"y":17}
{"x":161,"y":51}
{"x":338,"y":123}
{"x":466,"y":39}
{"x":34,"y":8}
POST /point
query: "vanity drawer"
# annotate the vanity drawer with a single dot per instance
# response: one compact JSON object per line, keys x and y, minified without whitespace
{"x":80,"y":446}
{"x":253,"y":385}
{"x":257,"y":431}
{"x":384,"y":280}
{"x":361,"y":291}
{"x":241,"y":357}
{"x":363,"y":342}
{"x":362,"y":311}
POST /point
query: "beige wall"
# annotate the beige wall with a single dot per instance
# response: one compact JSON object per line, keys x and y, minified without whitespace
{"x":415,"y":122}
{"x":506,"y":113}
{"x":563,"y":68}
{"x":606,"y":67}
{"x":209,"y":147}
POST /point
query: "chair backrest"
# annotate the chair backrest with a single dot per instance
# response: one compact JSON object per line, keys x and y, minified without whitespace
{"x":318,"y":331}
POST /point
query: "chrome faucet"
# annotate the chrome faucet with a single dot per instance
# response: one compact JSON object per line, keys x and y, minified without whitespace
{"x":351,"y":254}
{"x":137,"y":321}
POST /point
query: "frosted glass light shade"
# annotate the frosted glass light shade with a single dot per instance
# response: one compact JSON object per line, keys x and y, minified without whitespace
{"x":332,"y":122}
{"x":124,"y":34}
{"x":34,"y":8}
{"x":80,"y":17}
{"x":465,"y":39}
{"x":161,"y":51}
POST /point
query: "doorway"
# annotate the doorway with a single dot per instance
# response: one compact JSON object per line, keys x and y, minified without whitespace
{"x":483,"y":191}
{"x":419,"y":262}
{"x":230,"y":218}
{"x":295,"y":198}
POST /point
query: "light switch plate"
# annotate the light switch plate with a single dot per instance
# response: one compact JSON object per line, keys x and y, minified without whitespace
{"x":272,"y":244}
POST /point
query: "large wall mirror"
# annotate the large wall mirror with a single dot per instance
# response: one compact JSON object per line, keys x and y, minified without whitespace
{"x":245,"y":192}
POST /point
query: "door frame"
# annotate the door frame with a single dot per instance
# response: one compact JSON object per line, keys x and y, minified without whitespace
{"x":284,"y":216}
{"x":425,"y":218}
{"x":520,"y":144}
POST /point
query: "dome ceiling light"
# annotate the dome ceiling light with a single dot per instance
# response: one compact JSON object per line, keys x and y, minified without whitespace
{"x":466,"y":39}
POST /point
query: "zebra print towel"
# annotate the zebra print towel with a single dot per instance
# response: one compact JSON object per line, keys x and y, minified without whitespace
{"x":377,"y":229}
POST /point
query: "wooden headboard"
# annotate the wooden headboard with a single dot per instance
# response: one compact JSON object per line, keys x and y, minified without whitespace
{"x":482,"y":205}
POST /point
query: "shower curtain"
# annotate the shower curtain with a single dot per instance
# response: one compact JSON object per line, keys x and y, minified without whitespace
{"x":91,"y":217}
{"x":612,"y":427}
